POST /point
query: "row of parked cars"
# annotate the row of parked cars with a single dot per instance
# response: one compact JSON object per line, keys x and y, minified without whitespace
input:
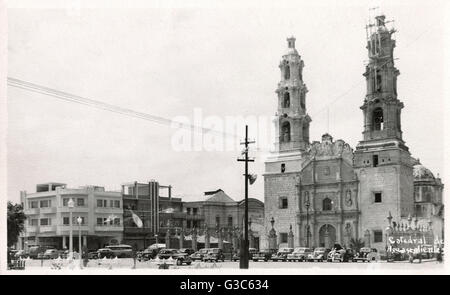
{"x":320,"y":254}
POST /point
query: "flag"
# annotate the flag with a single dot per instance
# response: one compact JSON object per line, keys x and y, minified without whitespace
{"x":136,"y":219}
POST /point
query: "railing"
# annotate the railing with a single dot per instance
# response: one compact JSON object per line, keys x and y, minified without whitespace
{"x":108,"y":228}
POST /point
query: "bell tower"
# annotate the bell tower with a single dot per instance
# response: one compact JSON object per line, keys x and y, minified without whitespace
{"x":382,"y":160}
{"x":291,"y":122}
{"x":381,"y":108}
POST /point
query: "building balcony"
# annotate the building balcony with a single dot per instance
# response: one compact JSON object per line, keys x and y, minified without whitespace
{"x":31,"y":229}
{"x":173,"y":215}
{"x":48,"y":210}
{"x":109,"y":228}
{"x":195,"y":217}
{"x":32,"y":211}
{"x":136,"y":230}
{"x":108,"y":210}
{"x":84,"y":209}
{"x":47,"y":228}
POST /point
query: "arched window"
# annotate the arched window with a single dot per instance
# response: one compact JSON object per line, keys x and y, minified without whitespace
{"x":286,"y":132}
{"x":286,"y":100}
{"x":327,"y":204}
{"x":287,"y":73}
{"x":377,"y":119}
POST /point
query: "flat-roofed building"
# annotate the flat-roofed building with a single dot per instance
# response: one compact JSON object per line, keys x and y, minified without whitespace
{"x":48,"y":223}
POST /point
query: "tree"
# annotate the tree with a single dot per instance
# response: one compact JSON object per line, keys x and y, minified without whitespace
{"x":356,"y":244}
{"x":16,"y":222}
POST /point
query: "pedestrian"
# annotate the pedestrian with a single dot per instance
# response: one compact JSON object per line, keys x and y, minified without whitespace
{"x":411,"y":257}
{"x":439,"y":256}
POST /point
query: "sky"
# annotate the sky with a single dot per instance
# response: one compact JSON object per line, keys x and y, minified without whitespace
{"x":169,"y":59}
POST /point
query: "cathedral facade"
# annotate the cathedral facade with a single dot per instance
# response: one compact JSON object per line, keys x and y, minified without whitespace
{"x":325,"y":192}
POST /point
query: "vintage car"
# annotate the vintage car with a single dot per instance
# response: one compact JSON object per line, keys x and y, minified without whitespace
{"x":320,"y":254}
{"x":237,"y":256}
{"x":176,"y":255}
{"x":188,"y":251}
{"x":282,"y":254}
{"x":93,"y":255}
{"x":51,"y":254}
{"x":262,"y":255}
{"x":21,"y":254}
{"x":105,"y":252}
{"x":37,"y":252}
{"x":299,"y":254}
{"x":366,"y":254}
{"x":341,"y":255}
{"x":199,"y":254}
{"x":214,"y":254}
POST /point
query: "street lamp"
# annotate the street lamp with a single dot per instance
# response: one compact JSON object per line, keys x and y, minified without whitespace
{"x":307,"y":204}
{"x":79,"y":220}
{"x":70,"y":204}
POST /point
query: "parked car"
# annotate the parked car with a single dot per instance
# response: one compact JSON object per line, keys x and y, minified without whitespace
{"x":341,"y":255}
{"x":21,"y":254}
{"x":34,"y":251}
{"x":93,"y":254}
{"x":366,"y":254}
{"x":199,"y":254}
{"x":237,"y":255}
{"x":50,"y":254}
{"x":263,"y":255}
{"x":319,"y":254}
{"x":214,"y":254}
{"x":151,"y":252}
{"x":176,"y":255}
{"x":281,"y":254}
{"x":121,"y":251}
{"x":105,"y":252}
{"x":299,"y":254}
{"x":188,"y":251}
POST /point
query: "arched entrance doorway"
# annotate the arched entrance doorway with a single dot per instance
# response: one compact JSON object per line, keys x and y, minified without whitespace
{"x":327,"y":236}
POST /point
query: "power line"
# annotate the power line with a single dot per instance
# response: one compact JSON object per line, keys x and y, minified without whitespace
{"x":14,"y":82}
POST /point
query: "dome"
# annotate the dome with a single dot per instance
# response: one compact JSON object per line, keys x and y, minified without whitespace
{"x":422,"y":173}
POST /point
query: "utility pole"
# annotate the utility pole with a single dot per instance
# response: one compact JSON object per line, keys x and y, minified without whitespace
{"x":244,"y":255}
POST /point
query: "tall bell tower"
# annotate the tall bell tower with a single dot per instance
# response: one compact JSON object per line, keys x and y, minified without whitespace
{"x":382,"y":160}
{"x":291,"y":122}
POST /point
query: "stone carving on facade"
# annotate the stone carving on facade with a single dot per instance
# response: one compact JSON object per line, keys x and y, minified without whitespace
{"x":329,"y":149}
{"x":348,"y":198}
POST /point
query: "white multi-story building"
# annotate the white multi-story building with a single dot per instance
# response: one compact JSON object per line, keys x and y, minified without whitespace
{"x":48,"y":212}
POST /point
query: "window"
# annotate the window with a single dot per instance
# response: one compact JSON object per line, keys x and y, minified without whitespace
{"x":283,"y":168}
{"x":377,"y":236}
{"x":378,"y":119}
{"x":286,"y":132}
{"x":99,"y":203}
{"x":377,"y":197}
{"x":283,"y":203}
{"x":111,"y":203}
{"x":66,"y":221}
{"x":116,"y":221}
{"x":327,"y":204}
{"x":44,"y":203}
{"x":99,"y":221}
{"x":283,"y":237}
{"x":65,"y":202}
{"x":375,"y":160}
{"x":217,"y":220}
{"x":75,"y":220}
{"x":287,"y":73}
{"x":230,"y":221}
{"x":286,"y":100}
{"x":80,"y":202}
{"x":188,"y":224}
{"x":194,"y":211}
{"x":33,"y":204}
{"x":117,"y":204}
{"x":46,"y":221}
{"x":188,"y":211}
{"x":33,"y":222}
{"x":105,"y":203}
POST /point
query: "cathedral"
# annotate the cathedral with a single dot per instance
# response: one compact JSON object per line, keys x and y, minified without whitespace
{"x":324,"y":192}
